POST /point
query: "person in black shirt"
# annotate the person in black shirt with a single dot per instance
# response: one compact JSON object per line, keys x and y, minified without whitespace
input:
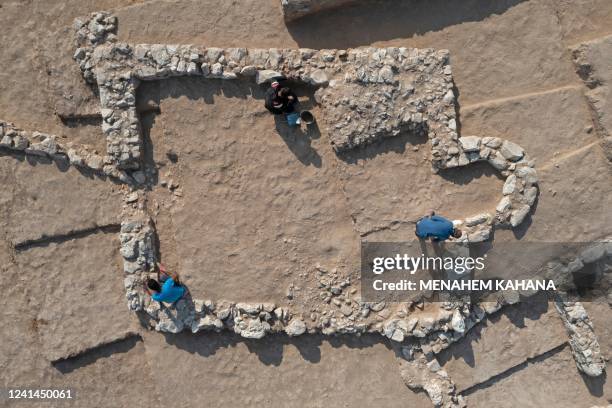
{"x":280,"y":99}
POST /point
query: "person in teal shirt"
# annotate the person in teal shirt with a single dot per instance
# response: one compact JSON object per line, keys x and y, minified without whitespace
{"x":437,"y":228}
{"x":171,"y":289}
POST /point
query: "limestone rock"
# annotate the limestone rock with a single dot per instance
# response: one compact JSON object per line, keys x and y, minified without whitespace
{"x":528,"y":174}
{"x":319,"y":78}
{"x":208,"y":322}
{"x":518,"y":215}
{"x":511,"y":151}
{"x":498,"y":161}
{"x":267,"y":75}
{"x":249,"y":70}
{"x":510,"y":185}
{"x":457,"y":322}
{"x":346,"y":310}
{"x":470,"y":143}
{"x":477,"y":220}
{"x":479,"y":235}
{"x":249,"y":308}
{"x":6,"y":141}
{"x":377,"y":307}
{"x":295,"y":327}
{"x":255,"y":329}
{"x":504,"y":205}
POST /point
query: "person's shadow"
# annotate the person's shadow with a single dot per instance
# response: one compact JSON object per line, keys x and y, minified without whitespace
{"x":299,"y":140}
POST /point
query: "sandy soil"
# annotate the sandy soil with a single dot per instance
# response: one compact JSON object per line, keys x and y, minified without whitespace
{"x":259,"y":206}
{"x":268,"y":204}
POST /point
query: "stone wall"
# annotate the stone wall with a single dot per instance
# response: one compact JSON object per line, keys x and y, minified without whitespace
{"x":422,"y":336}
{"x":47,"y":146}
{"x":255,"y":320}
{"x":367,"y":94}
{"x":426,"y":336}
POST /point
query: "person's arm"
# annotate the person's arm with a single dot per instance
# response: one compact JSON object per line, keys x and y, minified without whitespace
{"x":146,"y":288}
{"x":292,"y":97}
{"x":173,"y":275}
{"x":269,"y":100}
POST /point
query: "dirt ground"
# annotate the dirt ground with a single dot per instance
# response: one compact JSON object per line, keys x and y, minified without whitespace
{"x":257,"y":205}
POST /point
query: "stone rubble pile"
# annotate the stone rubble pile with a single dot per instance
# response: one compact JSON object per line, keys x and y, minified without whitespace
{"x":583,"y":342}
{"x":423,"y":373}
{"x":47,"y":146}
{"x":386,"y":91}
{"x":99,"y":28}
{"x":120,"y":122}
{"x":293,"y":9}
{"x":137,"y":238}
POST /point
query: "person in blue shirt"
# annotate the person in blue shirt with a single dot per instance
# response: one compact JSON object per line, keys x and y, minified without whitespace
{"x":169,"y":291}
{"x":437,"y":228}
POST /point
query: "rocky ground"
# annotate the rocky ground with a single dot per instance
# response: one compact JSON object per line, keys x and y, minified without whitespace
{"x":245,"y":208}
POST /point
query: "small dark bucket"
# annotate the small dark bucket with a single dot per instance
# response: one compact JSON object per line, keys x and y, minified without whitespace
{"x":307,"y":117}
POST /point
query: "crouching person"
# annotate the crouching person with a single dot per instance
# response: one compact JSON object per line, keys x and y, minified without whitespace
{"x":169,"y":291}
{"x":437,"y":228}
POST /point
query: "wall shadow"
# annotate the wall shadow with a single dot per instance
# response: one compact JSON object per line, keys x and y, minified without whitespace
{"x":72,"y":122}
{"x":92,"y":355}
{"x":395,"y":144}
{"x":595,"y":385}
{"x":380,"y":20}
{"x":466,"y":174}
{"x":270,"y":349}
{"x":59,"y":161}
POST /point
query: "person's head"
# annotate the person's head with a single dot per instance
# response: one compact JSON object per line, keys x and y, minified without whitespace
{"x":283,"y":92}
{"x":457,"y":233}
{"x":153,"y":285}
{"x":275,"y":84}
